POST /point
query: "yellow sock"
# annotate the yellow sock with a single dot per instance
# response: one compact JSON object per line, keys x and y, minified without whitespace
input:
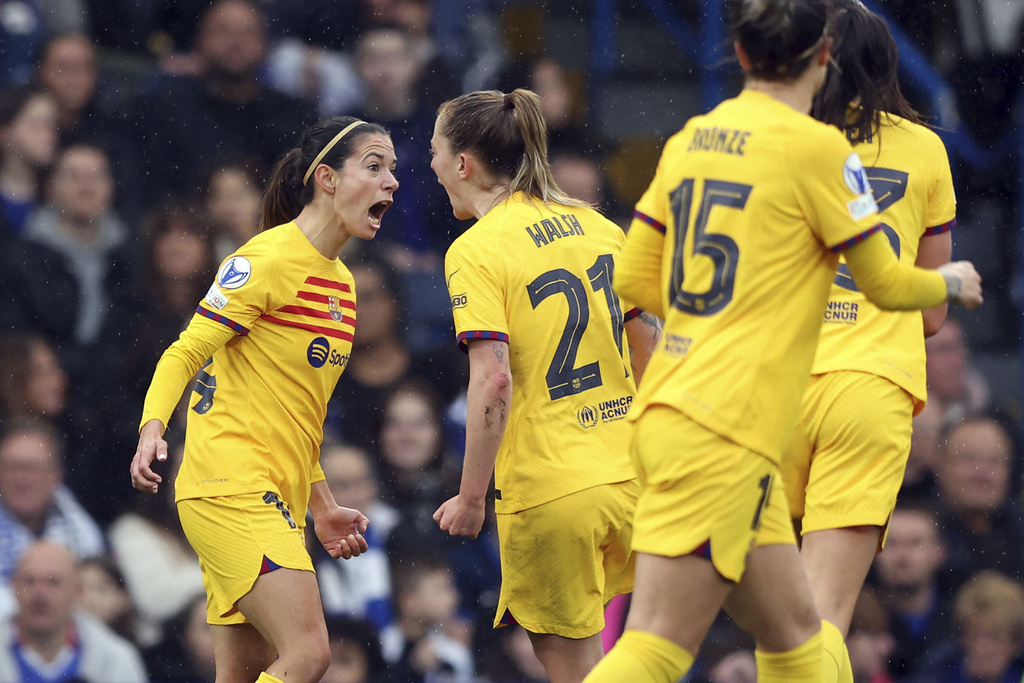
{"x":640,"y":657}
{"x":267,"y":678}
{"x":846,"y":672}
{"x":835,"y":648}
{"x":802,"y":664}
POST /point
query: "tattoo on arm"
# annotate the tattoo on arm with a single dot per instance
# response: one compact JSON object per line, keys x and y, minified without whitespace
{"x":499,"y":351}
{"x":651,"y":321}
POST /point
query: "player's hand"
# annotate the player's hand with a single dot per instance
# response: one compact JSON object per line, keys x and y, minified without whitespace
{"x":963,"y":283}
{"x":459,"y":517}
{"x":151,"y":447}
{"x":340,"y":531}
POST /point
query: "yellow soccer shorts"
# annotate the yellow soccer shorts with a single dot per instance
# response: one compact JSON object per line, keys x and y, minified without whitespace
{"x":238,"y":538}
{"x":846,"y":462}
{"x":562,"y":561}
{"x":702,"y":494}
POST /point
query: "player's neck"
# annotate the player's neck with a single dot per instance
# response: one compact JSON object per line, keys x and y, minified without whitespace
{"x":796,"y":94}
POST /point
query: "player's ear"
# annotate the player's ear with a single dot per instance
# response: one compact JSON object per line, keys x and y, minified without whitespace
{"x":741,"y":55}
{"x":324,"y":177}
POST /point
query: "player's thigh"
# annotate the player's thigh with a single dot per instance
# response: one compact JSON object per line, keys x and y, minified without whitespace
{"x":564,"y":560}
{"x":861,"y":441}
{"x":703,"y":494}
{"x":284,"y":605}
{"x":238,"y":539}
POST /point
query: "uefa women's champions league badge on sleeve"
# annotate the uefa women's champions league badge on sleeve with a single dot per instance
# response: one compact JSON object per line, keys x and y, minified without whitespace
{"x":234,"y":273}
{"x":856,"y":178}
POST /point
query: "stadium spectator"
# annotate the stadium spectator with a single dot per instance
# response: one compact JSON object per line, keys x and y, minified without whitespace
{"x":28,"y":144}
{"x":982,"y":525}
{"x":355,"y":653}
{"x":357,"y":589}
{"x":422,"y":226}
{"x":954,"y":385}
{"x":908,"y":582}
{"x":89,"y":110}
{"x":561,"y":93}
{"x":511,"y":658}
{"x":923,"y":459}
{"x":179,"y":264}
{"x":150,"y":549}
{"x":416,"y":468}
{"x":426,"y":642}
{"x":185,"y":652}
{"x":104,"y":596}
{"x":32,"y":381}
{"x":987,"y":643}
{"x":869,"y":640}
{"x":50,"y":639}
{"x":185,"y":123}
{"x":231,"y":192}
{"x":381,"y":356}
{"x":35,"y":504}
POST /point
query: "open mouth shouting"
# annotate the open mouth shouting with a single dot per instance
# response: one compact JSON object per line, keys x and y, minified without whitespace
{"x":377,"y":212}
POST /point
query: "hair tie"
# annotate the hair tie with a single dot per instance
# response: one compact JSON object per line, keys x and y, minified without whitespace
{"x":508,"y":102}
{"x":327,"y":148}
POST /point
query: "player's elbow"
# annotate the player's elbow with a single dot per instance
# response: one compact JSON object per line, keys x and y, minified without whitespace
{"x":933,"y":319}
{"x":499,"y":383}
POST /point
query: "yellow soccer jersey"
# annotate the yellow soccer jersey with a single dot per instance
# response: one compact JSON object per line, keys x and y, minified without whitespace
{"x":755,"y":202}
{"x":912,"y":183}
{"x":279,"y":323}
{"x":540,"y":278}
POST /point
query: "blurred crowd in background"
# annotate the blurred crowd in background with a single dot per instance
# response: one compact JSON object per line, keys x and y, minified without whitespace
{"x":135,"y":138}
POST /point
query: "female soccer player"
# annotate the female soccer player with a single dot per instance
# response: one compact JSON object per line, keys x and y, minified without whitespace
{"x":846,"y":461}
{"x":551,"y":379}
{"x":736,"y":242}
{"x":269,"y":342}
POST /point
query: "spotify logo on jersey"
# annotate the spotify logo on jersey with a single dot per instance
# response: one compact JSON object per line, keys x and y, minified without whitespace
{"x":318,"y":351}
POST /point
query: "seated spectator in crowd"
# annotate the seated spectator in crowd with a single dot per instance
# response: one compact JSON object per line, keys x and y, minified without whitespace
{"x":150,"y":549}
{"x":231,"y":194}
{"x":185,"y":123}
{"x":50,"y":639}
{"x":32,"y":381}
{"x":179,"y":263}
{"x":69,"y":279}
{"x":105,"y":597}
{"x":919,"y":476}
{"x":563,"y":102}
{"x":982,"y":524}
{"x":869,"y":641}
{"x":185,"y":653}
{"x":426,"y":642}
{"x":988,"y":641}
{"x":88,"y":110}
{"x":77,"y":265}
{"x":418,"y":472}
{"x":436,"y":80}
{"x":511,"y":658}
{"x":954,"y":386}
{"x":421,"y":227}
{"x":28,"y":143}
{"x":35,"y":504}
{"x":23,"y":28}
{"x":355,"y":653}
{"x":357,"y":589}
{"x":907,"y":579}
{"x":381,"y":358}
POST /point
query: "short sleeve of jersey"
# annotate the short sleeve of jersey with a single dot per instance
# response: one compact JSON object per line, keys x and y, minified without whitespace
{"x":476,"y":287}
{"x":653,"y":207}
{"x":832,"y":188}
{"x":941,"y":210}
{"x":242,"y":290}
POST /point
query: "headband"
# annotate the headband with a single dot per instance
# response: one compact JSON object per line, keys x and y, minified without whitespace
{"x":327,"y":148}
